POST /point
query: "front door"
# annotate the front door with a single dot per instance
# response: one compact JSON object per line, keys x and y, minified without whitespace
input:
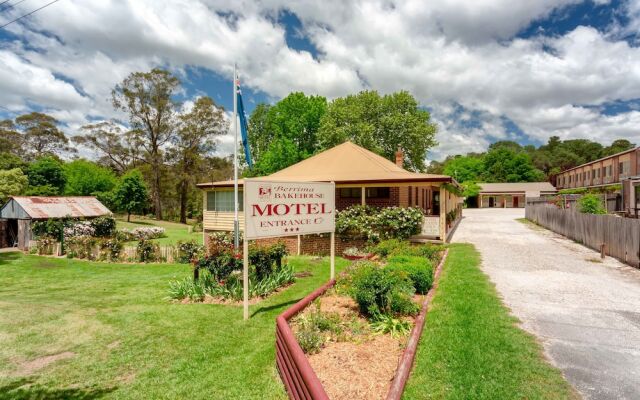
{"x":515,"y":201}
{"x":492,"y":201}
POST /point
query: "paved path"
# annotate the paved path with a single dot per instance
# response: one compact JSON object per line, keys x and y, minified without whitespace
{"x":586,"y":313}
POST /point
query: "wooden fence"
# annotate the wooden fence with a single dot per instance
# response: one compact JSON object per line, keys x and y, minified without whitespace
{"x":619,"y":236}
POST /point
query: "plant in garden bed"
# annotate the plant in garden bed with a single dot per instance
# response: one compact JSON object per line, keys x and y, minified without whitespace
{"x":81,"y":247}
{"x":374,"y":224}
{"x":218,"y":274}
{"x":46,"y":245}
{"x":142,"y":233}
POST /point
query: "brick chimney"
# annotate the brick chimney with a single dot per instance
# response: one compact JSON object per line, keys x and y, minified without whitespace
{"x":399,"y":157}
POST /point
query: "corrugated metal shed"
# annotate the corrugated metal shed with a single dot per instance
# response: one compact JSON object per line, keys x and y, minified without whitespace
{"x":37,"y":207}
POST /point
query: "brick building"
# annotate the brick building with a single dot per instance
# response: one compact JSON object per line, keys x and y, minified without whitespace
{"x":620,"y":173}
{"x":361,"y":177}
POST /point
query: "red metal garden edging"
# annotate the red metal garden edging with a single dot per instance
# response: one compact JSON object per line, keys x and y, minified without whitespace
{"x":297,"y":375}
{"x":409,"y":354}
{"x":295,"y":371}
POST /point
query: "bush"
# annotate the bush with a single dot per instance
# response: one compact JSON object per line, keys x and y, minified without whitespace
{"x":81,"y":247}
{"x":394,"y":247}
{"x":148,"y":251}
{"x":111,"y":249}
{"x":104,"y":226}
{"x":46,"y":245}
{"x":380,"y":291}
{"x":220,"y":265}
{"x":53,"y":228}
{"x":311,"y":341}
{"x":78,"y":228}
{"x":141,"y":233}
{"x":394,"y":326}
{"x":188,"y":251}
{"x":591,"y":204}
{"x":379,"y":223}
{"x":418,"y":269}
{"x":265,"y":259}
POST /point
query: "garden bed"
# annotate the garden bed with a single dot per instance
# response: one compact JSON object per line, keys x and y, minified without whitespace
{"x":356,"y":345}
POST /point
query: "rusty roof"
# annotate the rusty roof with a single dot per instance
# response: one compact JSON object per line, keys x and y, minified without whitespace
{"x":41,"y":207}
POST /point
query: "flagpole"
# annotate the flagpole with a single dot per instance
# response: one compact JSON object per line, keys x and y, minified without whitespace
{"x":236,"y":225}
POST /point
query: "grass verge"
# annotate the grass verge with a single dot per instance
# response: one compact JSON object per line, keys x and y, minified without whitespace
{"x":471,"y":348}
{"x":126,"y":340}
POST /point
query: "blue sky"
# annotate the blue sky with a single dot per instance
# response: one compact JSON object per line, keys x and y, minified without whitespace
{"x":498,"y":70}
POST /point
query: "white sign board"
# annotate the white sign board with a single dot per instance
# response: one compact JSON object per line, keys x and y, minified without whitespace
{"x":274,"y":208}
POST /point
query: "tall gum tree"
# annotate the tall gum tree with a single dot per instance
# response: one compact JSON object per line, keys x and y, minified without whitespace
{"x":148,"y":99}
{"x":195,"y":138}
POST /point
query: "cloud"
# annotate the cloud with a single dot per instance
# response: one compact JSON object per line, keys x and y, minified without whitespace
{"x":452,"y":55}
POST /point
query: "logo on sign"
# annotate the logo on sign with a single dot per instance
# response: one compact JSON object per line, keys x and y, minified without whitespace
{"x":264,"y":192}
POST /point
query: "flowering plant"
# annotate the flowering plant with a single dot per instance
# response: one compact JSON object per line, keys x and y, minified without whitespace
{"x":379,"y":223}
{"x":80,"y":228}
{"x":142,"y":233}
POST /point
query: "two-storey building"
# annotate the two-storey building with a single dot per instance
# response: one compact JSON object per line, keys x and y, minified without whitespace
{"x":621,"y":169}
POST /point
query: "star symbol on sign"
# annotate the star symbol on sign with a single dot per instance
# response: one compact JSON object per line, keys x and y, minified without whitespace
{"x":286,"y":230}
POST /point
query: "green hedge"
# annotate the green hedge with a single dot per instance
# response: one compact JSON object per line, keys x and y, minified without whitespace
{"x":418,"y":269}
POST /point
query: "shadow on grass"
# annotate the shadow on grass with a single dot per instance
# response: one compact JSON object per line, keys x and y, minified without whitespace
{"x":24,"y":389}
{"x":274,"y":307}
{"x":6,"y":258}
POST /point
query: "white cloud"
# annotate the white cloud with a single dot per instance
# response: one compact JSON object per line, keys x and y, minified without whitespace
{"x":443,"y":51}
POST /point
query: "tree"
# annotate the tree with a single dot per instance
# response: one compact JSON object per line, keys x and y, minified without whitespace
{"x":147,"y":97}
{"x":195,"y":138}
{"x":11,"y":141}
{"x":11,"y":161}
{"x":13,"y":182}
{"x":506,"y":165}
{"x":131,"y":193}
{"x":464,"y":168}
{"x":617,"y":146}
{"x":41,"y":135}
{"x":591,"y":204}
{"x":118,"y":149}
{"x":46,"y":177}
{"x":293,"y":122}
{"x":85,"y":178}
{"x":381,"y":124}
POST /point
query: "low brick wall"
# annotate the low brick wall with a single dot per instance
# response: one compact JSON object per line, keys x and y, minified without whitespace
{"x":314,"y":245}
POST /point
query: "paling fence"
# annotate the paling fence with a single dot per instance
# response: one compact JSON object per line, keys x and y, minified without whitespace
{"x":619,"y":236}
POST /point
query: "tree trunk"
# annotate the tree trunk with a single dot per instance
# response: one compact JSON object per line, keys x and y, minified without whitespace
{"x":156,"y":194}
{"x":128,"y":216}
{"x":183,"y":201}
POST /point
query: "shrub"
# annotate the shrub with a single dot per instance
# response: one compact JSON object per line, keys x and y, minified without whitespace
{"x":46,"y":245}
{"x":398,"y":222}
{"x":394,"y":247}
{"x":591,"y":204}
{"x":81,"y":247}
{"x":104,"y":226}
{"x":311,"y":341}
{"x":148,"y":251}
{"x":418,"y":269}
{"x":386,"y":247}
{"x":265,"y":259}
{"x":78,"y":228}
{"x":111,"y":249}
{"x":380,"y":291}
{"x":142,"y":233}
{"x":52,"y":228}
{"x":188,"y":251}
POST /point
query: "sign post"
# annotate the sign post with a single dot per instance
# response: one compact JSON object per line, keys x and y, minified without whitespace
{"x":283,"y":208}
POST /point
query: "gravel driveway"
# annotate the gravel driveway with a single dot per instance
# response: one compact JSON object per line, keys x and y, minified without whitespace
{"x":584,"y":311}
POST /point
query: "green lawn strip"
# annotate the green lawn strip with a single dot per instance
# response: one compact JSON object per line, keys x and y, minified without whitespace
{"x":175,"y":231}
{"x":129,"y":341}
{"x":471,"y":348}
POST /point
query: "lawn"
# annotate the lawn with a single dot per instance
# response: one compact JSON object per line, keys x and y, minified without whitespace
{"x":175,"y":231}
{"x":471,"y":348}
{"x":120,"y":337}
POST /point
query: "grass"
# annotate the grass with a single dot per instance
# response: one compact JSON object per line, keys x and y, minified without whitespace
{"x":471,"y":347}
{"x":175,"y":231}
{"x":129,"y":341}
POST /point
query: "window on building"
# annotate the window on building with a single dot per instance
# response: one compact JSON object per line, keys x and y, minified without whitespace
{"x":410,"y":194}
{"x":378,"y":193}
{"x":350,"y":193}
{"x":220,"y":200}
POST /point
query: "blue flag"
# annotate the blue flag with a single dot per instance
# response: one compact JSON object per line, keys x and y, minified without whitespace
{"x":244,"y":130}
